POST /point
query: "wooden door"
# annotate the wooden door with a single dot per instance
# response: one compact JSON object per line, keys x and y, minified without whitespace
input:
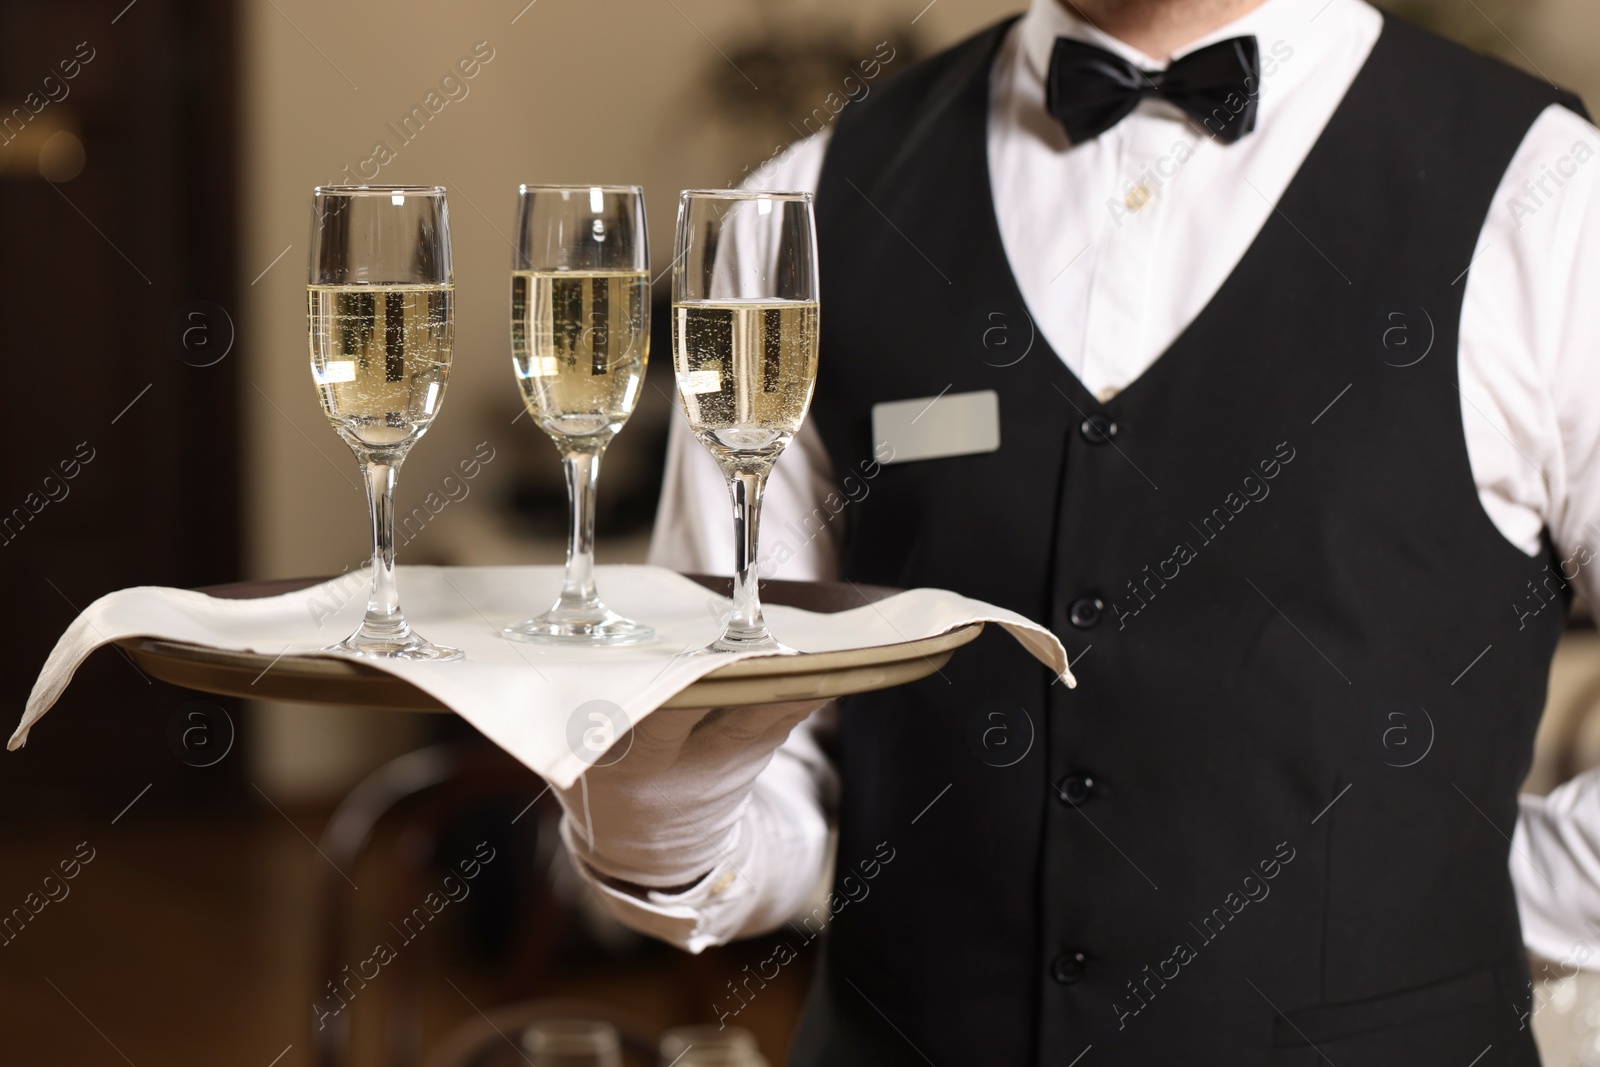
{"x":120,"y":309}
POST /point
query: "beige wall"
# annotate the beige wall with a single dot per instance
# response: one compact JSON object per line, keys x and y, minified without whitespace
{"x":1561,"y":43}
{"x":578,"y":90}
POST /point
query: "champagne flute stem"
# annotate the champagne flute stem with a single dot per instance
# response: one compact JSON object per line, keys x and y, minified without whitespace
{"x":383,"y":618}
{"x":746,"y":623}
{"x":583,"y":470}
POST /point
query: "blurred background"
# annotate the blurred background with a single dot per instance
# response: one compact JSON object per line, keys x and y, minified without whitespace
{"x":156,"y":160}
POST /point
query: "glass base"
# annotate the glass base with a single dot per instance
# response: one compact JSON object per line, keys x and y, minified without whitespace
{"x":567,"y":626}
{"x":407,"y":647}
{"x":762,"y":642}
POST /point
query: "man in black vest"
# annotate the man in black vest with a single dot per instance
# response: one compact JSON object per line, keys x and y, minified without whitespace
{"x":1242,"y":355}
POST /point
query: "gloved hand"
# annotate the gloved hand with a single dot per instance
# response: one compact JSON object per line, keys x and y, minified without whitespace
{"x":665,"y":813}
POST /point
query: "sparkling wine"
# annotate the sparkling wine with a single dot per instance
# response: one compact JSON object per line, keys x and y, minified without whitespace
{"x":580,"y":342}
{"x":745,"y":371}
{"x":380,"y":355}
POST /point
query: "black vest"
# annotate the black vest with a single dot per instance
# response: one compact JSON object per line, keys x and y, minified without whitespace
{"x":1271,"y":824}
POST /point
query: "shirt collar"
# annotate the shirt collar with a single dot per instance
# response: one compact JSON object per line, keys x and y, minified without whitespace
{"x":1310,"y":33}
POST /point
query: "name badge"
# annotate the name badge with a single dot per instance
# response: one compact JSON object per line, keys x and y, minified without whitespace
{"x":936,"y":427}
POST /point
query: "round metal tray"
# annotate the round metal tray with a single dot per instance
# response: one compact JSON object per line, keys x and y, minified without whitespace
{"x":764,"y":680}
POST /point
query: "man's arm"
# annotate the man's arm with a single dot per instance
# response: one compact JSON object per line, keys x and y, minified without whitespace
{"x":1555,"y":865}
{"x":1530,"y":385}
{"x":725,"y":870}
{"x":697,"y":839}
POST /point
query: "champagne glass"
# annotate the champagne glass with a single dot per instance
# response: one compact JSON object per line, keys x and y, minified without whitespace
{"x":580,"y":338}
{"x":572,"y":1043}
{"x":381,"y":321}
{"x":744,"y":349}
{"x":710,"y":1046}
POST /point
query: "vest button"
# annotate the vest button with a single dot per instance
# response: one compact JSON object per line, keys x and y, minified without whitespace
{"x":1068,"y":967}
{"x":1085,"y":612}
{"x":1076,"y":788}
{"x":1098,"y":429}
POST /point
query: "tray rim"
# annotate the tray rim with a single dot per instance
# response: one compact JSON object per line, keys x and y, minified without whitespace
{"x":801,"y":663}
{"x":160,"y":656}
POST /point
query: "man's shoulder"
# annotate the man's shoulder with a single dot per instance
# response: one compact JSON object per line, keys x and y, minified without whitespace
{"x":925,"y":82}
{"x":1447,"y":69}
{"x":879,"y":129}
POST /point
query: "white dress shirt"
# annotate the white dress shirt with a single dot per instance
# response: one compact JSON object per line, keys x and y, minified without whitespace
{"x":1157,"y":217}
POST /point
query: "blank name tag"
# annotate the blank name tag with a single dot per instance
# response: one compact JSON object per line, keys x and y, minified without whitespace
{"x":935,"y":427}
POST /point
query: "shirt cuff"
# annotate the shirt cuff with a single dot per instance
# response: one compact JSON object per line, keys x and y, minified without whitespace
{"x":711,"y":912}
{"x":1555,"y":867}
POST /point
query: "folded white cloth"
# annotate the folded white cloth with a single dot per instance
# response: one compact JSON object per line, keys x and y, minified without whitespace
{"x":554,"y":708}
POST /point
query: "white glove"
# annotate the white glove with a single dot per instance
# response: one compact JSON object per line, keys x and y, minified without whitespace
{"x":665,"y":813}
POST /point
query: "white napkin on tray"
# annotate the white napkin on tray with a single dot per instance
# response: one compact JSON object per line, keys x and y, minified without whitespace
{"x":524,"y":697}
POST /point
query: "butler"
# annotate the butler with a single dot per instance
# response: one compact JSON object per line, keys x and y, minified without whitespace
{"x":1251,"y":347}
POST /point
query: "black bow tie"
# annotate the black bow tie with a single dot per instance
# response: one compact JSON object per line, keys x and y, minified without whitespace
{"x":1090,"y":90}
